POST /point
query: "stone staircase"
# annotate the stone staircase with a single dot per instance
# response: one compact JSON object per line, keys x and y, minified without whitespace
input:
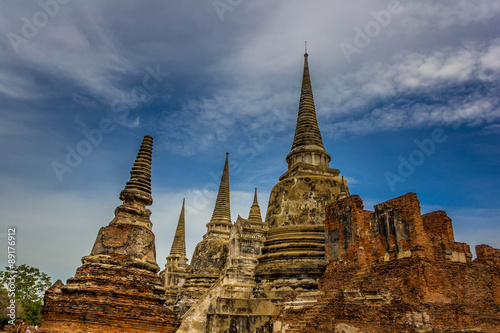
{"x":194,"y":320}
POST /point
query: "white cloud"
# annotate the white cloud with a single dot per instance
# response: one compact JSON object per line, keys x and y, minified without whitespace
{"x":423,"y":15}
{"x":232,"y":114}
{"x":491,"y":129}
{"x":425,"y":79}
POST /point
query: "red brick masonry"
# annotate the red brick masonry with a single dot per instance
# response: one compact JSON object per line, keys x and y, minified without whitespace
{"x":395,"y":270}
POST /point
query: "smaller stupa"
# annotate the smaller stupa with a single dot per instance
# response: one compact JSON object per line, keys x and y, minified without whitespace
{"x":117,"y":289}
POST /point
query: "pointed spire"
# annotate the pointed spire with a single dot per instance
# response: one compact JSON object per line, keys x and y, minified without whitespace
{"x":179,"y":243}
{"x":307,"y":146}
{"x":343,"y":190}
{"x":139,"y":185}
{"x":307,"y":132}
{"x":254,"y":215}
{"x":222,"y":211}
{"x":342,"y":186}
{"x":135,"y":247}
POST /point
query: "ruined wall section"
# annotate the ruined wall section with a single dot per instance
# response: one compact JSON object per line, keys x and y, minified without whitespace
{"x":487,"y":255}
{"x":393,"y":231}
{"x":439,"y":229}
{"x":399,"y":227}
{"x":406,"y":295}
{"x":349,"y":231}
{"x":391,"y":271}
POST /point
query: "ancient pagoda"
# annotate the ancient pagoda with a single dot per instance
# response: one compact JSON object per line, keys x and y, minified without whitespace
{"x":210,"y":255}
{"x":268,"y":264}
{"x":319,"y":262}
{"x":228,"y":306}
{"x":176,"y":269}
{"x":293,"y":256}
{"x":117,"y":289}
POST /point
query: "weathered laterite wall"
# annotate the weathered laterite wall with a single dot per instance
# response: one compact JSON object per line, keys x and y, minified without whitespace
{"x":108,"y":298}
{"x":395,"y":270}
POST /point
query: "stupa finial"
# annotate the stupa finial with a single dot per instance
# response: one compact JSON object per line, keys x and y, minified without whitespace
{"x":179,"y":243}
{"x":139,"y":185}
{"x":222,"y":210}
{"x":255,"y":215}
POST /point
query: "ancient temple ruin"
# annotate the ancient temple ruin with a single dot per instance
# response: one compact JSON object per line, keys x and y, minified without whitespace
{"x":317,"y":262}
{"x":117,"y":289}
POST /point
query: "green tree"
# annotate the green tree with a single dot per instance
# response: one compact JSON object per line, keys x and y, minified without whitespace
{"x":4,"y":302}
{"x":30,"y":286}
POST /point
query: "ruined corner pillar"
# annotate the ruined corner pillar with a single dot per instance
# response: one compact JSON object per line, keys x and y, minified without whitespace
{"x":293,"y":255}
{"x":117,"y":289}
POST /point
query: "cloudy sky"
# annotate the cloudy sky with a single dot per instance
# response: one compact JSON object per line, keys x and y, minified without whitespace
{"x":407,"y":96}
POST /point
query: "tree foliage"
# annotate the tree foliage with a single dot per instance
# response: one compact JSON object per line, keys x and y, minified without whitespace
{"x":29,"y":285}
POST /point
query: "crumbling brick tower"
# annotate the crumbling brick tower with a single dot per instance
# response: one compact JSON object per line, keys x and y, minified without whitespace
{"x":117,"y":289}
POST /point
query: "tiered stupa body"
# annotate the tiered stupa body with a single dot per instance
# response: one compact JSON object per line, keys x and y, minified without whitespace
{"x":210,"y":255}
{"x":117,"y":289}
{"x":228,"y":305}
{"x":176,"y":269}
{"x":293,"y":256}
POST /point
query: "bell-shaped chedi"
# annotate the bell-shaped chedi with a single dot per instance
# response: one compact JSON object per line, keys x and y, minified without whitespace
{"x":255,"y":217}
{"x":294,"y":252}
{"x":232,"y":308}
{"x":210,"y":255}
{"x":117,"y":289}
{"x":228,"y":306}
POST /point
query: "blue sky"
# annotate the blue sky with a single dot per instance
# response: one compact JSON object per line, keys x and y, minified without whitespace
{"x":406,"y":93}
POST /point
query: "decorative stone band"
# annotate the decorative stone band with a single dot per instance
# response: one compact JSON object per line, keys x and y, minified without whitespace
{"x":120,"y":261}
{"x":294,"y":242}
{"x":293,"y":256}
{"x":306,"y":169}
{"x":219,"y":228}
{"x":315,"y":157}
